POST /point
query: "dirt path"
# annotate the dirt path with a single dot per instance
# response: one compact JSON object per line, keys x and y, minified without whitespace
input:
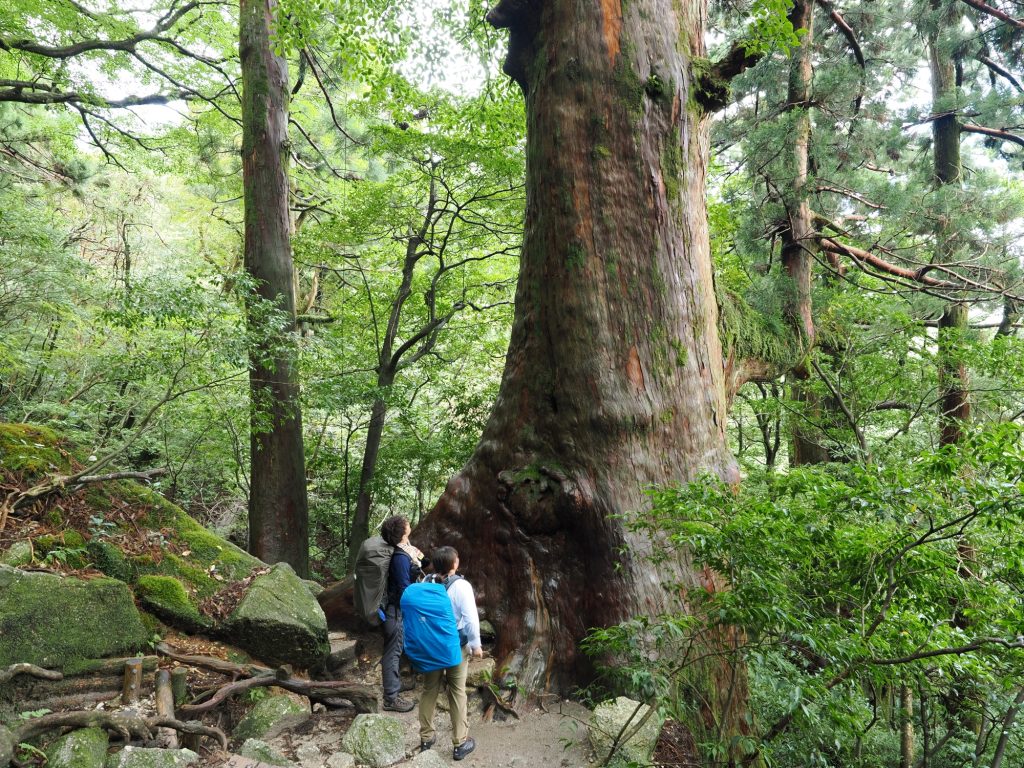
{"x":556,"y":737}
{"x":553,"y":737}
{"x":549,"y":734}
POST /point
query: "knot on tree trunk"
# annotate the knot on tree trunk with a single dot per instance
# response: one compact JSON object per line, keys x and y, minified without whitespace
{"x":541,"y":497}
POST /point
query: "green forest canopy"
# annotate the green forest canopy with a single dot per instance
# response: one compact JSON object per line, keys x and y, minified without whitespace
{"x":878,"y":442}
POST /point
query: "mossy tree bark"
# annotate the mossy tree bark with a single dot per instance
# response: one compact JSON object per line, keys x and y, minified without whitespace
{"x":278,"y":513}
{"x":614,"y":378}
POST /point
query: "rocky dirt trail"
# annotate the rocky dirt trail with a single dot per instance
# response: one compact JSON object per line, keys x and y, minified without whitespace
{"x":549,"y":733}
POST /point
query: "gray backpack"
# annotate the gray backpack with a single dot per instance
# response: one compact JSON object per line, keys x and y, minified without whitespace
{"x":371,"y":578}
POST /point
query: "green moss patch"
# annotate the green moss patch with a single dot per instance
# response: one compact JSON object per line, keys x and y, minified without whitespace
{"x":269,"y":717}
{"x":166,"y":597}
{"x":53,"y":621}
{"x":84,"y":748}
{"x":32,"y":450}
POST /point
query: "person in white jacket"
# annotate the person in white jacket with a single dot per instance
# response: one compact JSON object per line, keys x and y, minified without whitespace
{"x":467,"y":620}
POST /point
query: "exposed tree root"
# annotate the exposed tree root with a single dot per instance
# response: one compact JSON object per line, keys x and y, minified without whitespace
{"x":328,"y":692}
{"x":28,"y":669}
{"x":126,"y":726}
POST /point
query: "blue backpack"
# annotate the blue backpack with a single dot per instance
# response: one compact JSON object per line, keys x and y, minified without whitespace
{"x":431,"y":639}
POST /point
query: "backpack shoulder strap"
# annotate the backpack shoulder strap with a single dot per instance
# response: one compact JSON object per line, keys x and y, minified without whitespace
{"x":451,"y":580}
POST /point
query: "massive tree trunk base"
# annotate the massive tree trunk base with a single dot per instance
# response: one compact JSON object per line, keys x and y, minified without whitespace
{"x":614,"y":380}
{"x":549,"y":562}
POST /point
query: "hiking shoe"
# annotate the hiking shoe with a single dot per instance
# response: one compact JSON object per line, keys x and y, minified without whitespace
{"x":425,"y":745}
{"x":398,"y":704}
{"x":463,"y":749}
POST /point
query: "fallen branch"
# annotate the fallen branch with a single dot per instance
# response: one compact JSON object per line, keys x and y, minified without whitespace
{"x":29,"y":669}
{"x":18,"y":499}
{"x":212,"y":663}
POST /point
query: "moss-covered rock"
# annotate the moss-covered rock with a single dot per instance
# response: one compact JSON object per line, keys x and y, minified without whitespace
{"x":108,"y":559}
{"x":254,"y":749}
{"x":84,"y":748}
{"x":375,"y":740}
{"x":279,"y":621}
{"x":19,"y":553}
{"x":201,"y":560}
{"x":53,"y":620}
{"x":269,"y":717}
{"x":166,"y":597}
{"x":607,"y":722}
{"x":138,"y":757}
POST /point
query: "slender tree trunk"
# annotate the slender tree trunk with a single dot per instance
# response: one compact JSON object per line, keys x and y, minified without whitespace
{"x":1007,"y":726}
{"x":799,"y":246}
{"x":371,"y":451}
{"x":278,"y":517}
{"x":614,"y":375}
{"x":387,"y":367}
{"x":906,"y":727}
{"x":954,"y":404}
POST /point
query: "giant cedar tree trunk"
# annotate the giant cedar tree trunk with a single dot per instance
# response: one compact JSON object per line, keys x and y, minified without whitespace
{"x":614,"y":377}
{"x":278,"y":524}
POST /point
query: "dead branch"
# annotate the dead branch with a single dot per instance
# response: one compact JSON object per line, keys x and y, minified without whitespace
{"x":18,"y":499}
{"x":213,"y":664}
{"x":995,"y":13}
{"x":165,"y":709}
{"x":992,"y":132}
{"x":999,"y":69}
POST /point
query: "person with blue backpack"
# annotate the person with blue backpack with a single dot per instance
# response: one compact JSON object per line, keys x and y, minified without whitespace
{"x":442,"y":630}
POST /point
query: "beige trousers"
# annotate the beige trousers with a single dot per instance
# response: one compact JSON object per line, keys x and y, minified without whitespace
{"x":455,"y":678}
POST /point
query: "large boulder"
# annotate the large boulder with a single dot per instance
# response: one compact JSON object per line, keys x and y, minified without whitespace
{"x":269,"y":717}
{"x":607,"y":723}
{"x":341,"y":760}
{"x":375,"y":740}
{"x":279,"y":621}
{"x":54,"y":621}
{"x":84,"y":748}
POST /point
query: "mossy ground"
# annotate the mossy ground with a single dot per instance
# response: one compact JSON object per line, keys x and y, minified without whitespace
{"x":31,"y":450}
{"x":122,"y":529}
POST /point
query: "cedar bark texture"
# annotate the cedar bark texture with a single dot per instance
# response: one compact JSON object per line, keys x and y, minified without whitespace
{"x":278,"y":514}
{"x":614,"y":376}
